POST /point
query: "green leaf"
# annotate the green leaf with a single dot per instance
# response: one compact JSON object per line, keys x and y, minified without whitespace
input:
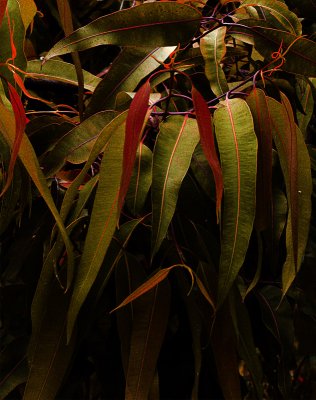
{"x":60,"y":71}
{"x":213,"y":49}
{"x":75,"y":146}
{"x":140,"y":180}
{"x":17,"y":37}
{"x":238,"y":152}
{"x":299,"y":52}
{"x":50,"y":355}
{"x":280,"y":11}
{"x":298,"y":181}
{"x":149,"y":322}
{"x":30,"y":162}
{"x":28,"y":11}
{"x":103,"y":220}
{"x":148,"y":25}
{"x":128,"y":69}
{"x":305,"y":95}
{"x":173,"y":151}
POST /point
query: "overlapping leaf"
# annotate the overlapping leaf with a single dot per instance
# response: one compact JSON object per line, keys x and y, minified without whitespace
{"x":173,"y":151}
{"x":136,"y":118}
{"x":203,"y":117}
{"x":128,"y":69}
{"x":280,"y":11}
{"x":28,"y":11}
{"x":104,"y":217}
{"x":61,"y":72}
{"x":213,"y":49}
{"x":299,"y":52}
{"x":149,"y":25}
{"x":140,"y":180}
{"x":260,"y":113}
{"x":238,"y":152}
{"x":295,"y":164}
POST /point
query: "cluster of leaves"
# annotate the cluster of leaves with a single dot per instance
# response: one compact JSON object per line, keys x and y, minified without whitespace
{"x":157,"y":166}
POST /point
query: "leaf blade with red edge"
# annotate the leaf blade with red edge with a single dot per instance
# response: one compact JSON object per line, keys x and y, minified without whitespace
{"x":237,"y":145}
{"x":135,"y":121}
{"x":257,"y":103}
{"x":20,"y":123}
{"x":204,"y":121}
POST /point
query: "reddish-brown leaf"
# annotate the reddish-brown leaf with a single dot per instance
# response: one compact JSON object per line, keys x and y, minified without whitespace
{"x":204,"y":121}
{"x":257,"y":103}
{"x":3,"y":6}
{"x":20,"y":123}
{"x":134,"y":126}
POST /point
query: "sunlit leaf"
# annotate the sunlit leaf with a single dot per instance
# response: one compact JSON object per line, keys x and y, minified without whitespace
{"x":156,"y":24}
{"x":280,"y":11}
{"x":28,"y":11}
{"x":213,"y":50}
{"x":238,"y":152}
{"x":205,"y":125}
{"x":103,"y":220}
{"x":173,"y":151}
{"x":60,"y":71}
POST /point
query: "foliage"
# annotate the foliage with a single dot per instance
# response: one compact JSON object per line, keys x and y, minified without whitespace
{"x":157,"y":181}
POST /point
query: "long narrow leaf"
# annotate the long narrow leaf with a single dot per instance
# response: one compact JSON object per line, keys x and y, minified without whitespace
{"x":203,"y":117}
{"x":173,"y":151}
{"x":149,"y":25}
{"x":260,"y":112}
{"x":238,"y":151}
{"x":213,"y":49}
{"x":135,"y":121}
{"x":295,"y":164}
{"x":3,"y":6}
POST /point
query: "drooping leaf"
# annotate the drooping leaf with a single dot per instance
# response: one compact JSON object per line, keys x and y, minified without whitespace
{"x":28,"y":11}
{"x":173,"y":151}
{"x":75,"y":146}
{"x":20,"y":123}
{"x":257,"y":103}
{"x":145,"y":331}
{"x":51,"y":357}
{"x":61,"y":72}
{"x":128,"y":69}
{"x":224,"y":346}
{"x":12,"y":33}
{"x":103,"y":220}
{"x":238,"y":152}
{"x":203,"y":117}
{"x":305,"y":95}
{"x":213,"y":49}
{"x":135,"y":121}
{"x":299,"y":52}
{"x":280,"y":11}
{"x":245,"y":341}
{"x":30,"y":162}
{"x":147,"y":25}
{"x":140,"y":180}
{"x":295,"y":164}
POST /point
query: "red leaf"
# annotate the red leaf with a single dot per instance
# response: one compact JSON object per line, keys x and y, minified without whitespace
{"x":204,"y":121}
{"x":134,"y":127}
{"x":3,"y":6}
{"x":20,"y":123}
